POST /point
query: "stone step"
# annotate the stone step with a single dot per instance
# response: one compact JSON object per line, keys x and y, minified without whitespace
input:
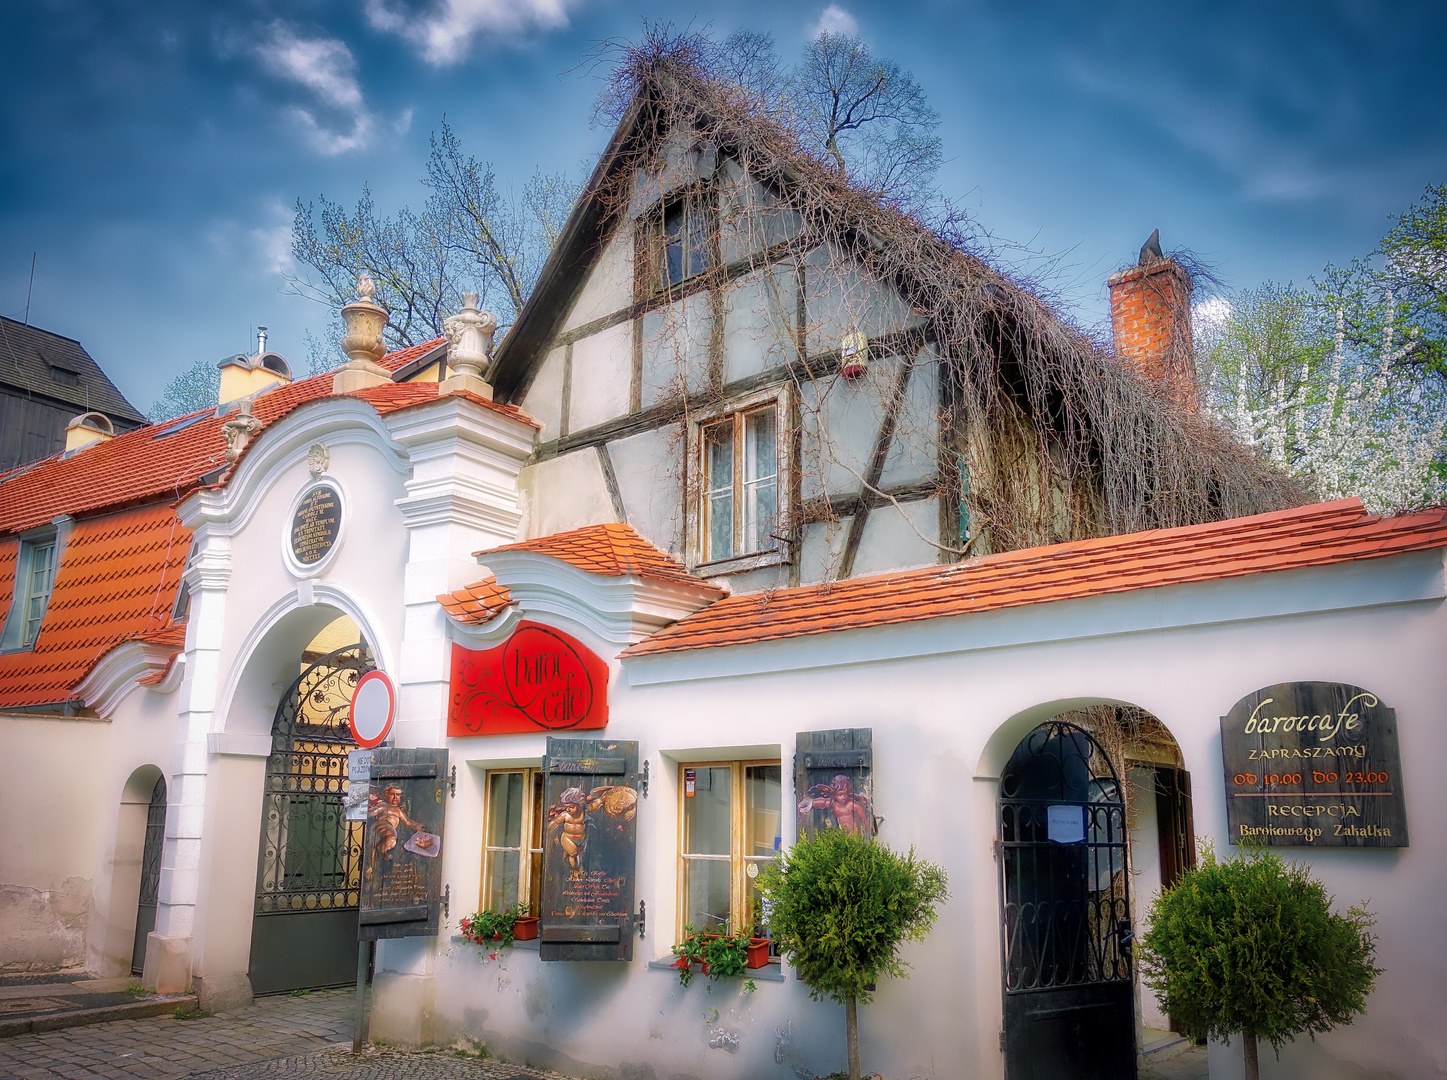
{"x":68,"y":1018}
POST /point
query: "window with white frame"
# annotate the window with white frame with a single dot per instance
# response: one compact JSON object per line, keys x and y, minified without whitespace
{"x":742,"y":486}
{"x":34,"y":579}
{"x":729,"y":833}
{"x":512,"y":860}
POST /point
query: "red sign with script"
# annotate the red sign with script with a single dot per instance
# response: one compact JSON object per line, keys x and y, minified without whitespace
{"x":540,"y":679}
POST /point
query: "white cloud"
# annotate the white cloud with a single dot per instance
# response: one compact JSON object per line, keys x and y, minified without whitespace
{"x":1211,"y":314}
{"x":272,"y":242}
{"x":835,"y":20}
{"x":262,"y":246}
{"x":337,"y":120}
{"x":442,"y":31}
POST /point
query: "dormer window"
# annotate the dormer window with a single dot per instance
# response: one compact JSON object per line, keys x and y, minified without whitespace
{"x":679,"y":238}
{"x":34,"y":578}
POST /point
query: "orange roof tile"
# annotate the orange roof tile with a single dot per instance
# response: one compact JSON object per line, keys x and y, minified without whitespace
{"x":477,"y":603}
{"x":9,"y":553}
{"x":168,"y":460}
{"x":1307,"y":536}
{"x":110,"y":565}
{"x":611,"y":549}
{"x":116,"y":582}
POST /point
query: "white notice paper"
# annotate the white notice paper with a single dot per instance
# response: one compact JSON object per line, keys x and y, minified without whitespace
{"x":359,"y":783}
{"x":1065,"y":824}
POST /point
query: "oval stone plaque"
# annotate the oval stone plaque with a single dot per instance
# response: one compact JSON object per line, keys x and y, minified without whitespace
{"x":316,"y":523}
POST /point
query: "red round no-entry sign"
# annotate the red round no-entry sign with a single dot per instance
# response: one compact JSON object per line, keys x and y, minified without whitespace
{"x":374,"y":705}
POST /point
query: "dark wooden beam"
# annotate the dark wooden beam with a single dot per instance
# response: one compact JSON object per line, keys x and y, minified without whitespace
{"x":883,"y":439}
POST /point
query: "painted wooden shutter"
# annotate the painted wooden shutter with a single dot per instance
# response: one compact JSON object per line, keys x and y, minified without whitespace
{"x":590,"y":843}
{"x":402,"y":863}
{"x":834,"y":780}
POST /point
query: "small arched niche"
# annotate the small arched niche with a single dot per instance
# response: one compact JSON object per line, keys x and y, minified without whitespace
{"x":134,"y":814}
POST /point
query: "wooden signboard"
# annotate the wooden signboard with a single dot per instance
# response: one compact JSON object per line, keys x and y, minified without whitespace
{"x":539,"y":679}
{"x":316,"y":523}
{"x":402,"y":846}
{"x":589,"y":849}
{"x":834,"y":780}
{"x":1313,"y":764}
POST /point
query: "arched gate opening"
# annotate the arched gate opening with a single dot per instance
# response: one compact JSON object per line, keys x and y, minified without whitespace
{"x":304,"y":927}
{"x":1069,"y":1006}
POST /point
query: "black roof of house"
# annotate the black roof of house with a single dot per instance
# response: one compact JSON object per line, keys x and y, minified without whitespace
{"x":39,"y":363}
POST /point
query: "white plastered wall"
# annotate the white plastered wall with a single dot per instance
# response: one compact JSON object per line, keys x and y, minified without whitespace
{"x":50,"y":855}
{"x":948,"y":701}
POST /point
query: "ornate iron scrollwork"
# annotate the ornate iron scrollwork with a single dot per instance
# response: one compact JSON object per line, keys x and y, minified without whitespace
{"x":1063,"y":899}
{"x":310,"y":855}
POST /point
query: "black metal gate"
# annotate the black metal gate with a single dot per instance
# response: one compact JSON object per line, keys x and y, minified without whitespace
{"x":150,"y":874}
{"x":1069,"y":1006}
{"x":304,"y":932}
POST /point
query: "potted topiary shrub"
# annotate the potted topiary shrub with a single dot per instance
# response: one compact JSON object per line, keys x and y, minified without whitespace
{"x":1250,"y":945}
{"x":841,"y":904}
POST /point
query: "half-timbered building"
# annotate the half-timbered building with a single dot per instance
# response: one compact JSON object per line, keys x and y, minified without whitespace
{"x":752,"y":526}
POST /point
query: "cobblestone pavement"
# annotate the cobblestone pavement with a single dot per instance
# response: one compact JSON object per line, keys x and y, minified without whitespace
{"x":276,"y":1037}
{"x":378,"y":1063}
{"x":287,"y":1036}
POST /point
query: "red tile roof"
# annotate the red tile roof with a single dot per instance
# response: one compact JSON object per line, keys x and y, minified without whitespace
{"x":1307,"y":536}
{"x":148,"y":463}
{"x":109,"y":565}
{"x":9,"y":553}
{"x":116,"y":582}
{"x":477,"y":603}
{"x":612,"y":550}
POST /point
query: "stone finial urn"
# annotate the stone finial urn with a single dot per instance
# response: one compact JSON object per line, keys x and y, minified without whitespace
{"x":364,"y":319}
{"x":469,"y":348}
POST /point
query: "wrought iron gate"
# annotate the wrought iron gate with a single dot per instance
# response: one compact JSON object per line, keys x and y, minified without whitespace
{"x":1069,"y":1005}
{"x":304,"y":930}
{"x":150,"y":874}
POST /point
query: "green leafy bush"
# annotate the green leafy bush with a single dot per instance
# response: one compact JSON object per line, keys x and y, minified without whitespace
{"x":492,"y":928}
{"x":1250,"y":944}
{"x":720,"y":956}
{"x":840,"y":906}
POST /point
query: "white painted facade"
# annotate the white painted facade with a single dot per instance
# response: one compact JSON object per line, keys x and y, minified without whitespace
{"x":947,"y":700}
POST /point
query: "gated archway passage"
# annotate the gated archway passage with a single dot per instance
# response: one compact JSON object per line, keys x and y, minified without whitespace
{"x":304,"y":930}
{"x":1069,"y":1009}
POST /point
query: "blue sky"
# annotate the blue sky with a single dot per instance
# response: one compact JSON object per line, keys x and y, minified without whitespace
{"x":153,"y":153}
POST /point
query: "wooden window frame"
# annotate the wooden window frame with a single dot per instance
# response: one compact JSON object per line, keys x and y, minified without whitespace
{"x":533,"y":779}
{"x":738,"y":834}
{"x":651,"y":279}
{"x":695,"y":484}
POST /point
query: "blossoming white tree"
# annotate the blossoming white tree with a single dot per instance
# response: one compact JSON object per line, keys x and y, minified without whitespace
{"x":1340,"y":383}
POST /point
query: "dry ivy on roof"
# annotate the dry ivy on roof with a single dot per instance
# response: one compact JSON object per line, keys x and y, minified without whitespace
{"x":1061,"y":442}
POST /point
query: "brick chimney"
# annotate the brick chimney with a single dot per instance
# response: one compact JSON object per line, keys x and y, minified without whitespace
{"x":1150,"y":318}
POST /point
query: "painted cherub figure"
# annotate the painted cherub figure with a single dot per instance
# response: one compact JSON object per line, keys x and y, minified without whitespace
{"x":849,"y":808}
{"x":387,"y":816}
{"x":570,"y":814}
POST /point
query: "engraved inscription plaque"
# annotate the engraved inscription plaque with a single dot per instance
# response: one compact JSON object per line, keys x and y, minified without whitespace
{"x":316,"y":523}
